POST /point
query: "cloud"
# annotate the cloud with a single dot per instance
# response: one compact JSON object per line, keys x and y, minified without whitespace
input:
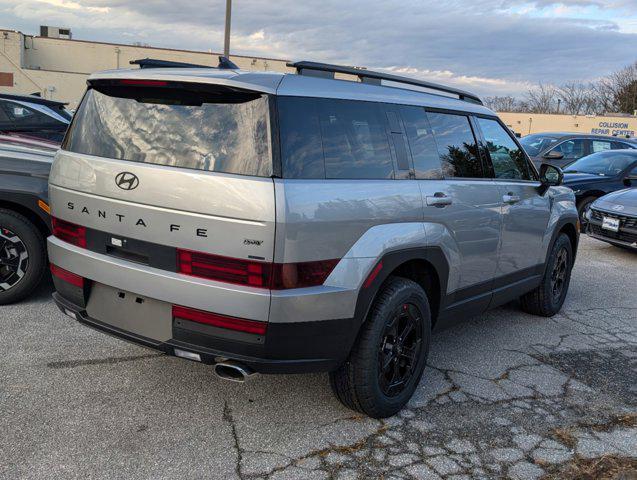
{"x":490,"y":46}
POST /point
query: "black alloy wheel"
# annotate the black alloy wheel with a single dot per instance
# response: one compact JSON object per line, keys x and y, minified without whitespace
{"x":548,"y":297}
{"x":14,"y":259}
{"x":559,"y":274}
{"x":22,"y":256}
{"x":400,"y":349}
{"x":387,"y":361}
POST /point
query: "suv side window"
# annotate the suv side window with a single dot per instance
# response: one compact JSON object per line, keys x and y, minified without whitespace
{"x":421,"y":143}
{"x":456,"y":145}
{"x":572,"y":149}
{"x":507,"y":158}
{"x":300,"y":133}
{"x":355,"y":143}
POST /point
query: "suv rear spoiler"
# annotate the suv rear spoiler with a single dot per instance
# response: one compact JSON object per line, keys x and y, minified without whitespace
{"x":224,"y":63}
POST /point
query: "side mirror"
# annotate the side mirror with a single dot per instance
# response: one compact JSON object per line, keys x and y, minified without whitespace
{"x":550,"y":175}
{"x":553,"y":155}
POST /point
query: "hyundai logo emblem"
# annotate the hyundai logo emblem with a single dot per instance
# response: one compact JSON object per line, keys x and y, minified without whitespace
{"x":127,"y":181}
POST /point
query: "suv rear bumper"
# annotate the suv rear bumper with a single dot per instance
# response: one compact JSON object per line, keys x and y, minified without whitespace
{"x":299,"y":347}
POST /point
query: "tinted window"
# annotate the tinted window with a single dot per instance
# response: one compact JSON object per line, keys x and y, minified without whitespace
{"x":603,"y":163}
{"x":22,"y":116}
{"x":206,"y":130}
{"x":507,"y":158}
{"x":300,"y":133}
{"x":621,"y":146}
{"x":421,"y":142}
{"x":456,"y":145}
{"x":534,"y":144}
{"x":355,"y":143}
{"x":572,"y":149}
{"x":4,"y":116}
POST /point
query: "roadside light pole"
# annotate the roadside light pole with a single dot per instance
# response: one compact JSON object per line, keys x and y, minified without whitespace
{"x":226,"y":40}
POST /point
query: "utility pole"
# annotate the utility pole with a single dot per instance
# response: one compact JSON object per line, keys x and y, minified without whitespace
{"x":226,"y":41}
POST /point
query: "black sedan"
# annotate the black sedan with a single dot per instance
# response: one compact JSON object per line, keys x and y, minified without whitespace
{"x":613,"y":218}
{"x":596,"y":175}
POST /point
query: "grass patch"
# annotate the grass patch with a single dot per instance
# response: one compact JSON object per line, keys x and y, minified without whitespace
{"x":607,"y":467}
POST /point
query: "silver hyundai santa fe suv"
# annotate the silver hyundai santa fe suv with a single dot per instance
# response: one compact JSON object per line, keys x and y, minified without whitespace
{"x":281,"y":223}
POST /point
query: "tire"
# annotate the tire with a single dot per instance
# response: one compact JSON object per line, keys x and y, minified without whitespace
{"x":358,"y":383}
{"x":582,"y":207}
{"x":22,"y":257}
{"x":543,"y":300}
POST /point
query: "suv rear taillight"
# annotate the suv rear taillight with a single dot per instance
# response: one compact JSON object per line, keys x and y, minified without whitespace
{"x":69,"y":232}
{"x":67,"y":276}
{"x":224,"y":269}
{"x":221,"y":321}
{"x":275,"y":276}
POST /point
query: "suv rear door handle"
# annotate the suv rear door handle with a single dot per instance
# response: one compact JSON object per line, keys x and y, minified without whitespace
{"x":510,"y":198}
{"x":438,"y":199}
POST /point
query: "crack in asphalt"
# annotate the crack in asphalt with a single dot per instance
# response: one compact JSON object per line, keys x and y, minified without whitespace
{"x":556,"y":396}
{"x":229,"y":419}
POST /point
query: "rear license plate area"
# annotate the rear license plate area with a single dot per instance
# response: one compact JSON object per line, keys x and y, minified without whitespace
{"x":132,"y":250}
{"x":130,"y":312}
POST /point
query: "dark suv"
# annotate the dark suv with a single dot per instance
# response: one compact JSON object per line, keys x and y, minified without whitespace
{"x":561,"y":149}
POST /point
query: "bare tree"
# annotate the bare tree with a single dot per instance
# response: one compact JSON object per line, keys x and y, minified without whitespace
{"x":618,"y":91}
{"x":575,"y":98}
{"x":502,"y":104}
{"x":615,"y":93}
{"x":541,"y":99}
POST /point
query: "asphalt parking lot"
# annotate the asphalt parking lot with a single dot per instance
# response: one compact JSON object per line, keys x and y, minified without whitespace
{"x":505,"y":395}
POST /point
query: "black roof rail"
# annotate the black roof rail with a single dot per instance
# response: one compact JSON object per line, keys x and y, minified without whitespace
{"x":327,"y":70}
{"x":224,"y":63}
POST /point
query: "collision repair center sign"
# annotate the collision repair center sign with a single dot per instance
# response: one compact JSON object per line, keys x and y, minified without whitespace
{"x":619,"y":129}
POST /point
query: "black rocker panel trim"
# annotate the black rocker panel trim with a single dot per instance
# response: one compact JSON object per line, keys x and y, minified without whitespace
{"x":460,"y":304}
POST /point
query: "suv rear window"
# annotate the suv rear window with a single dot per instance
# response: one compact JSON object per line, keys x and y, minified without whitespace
{"x":214,"y":130}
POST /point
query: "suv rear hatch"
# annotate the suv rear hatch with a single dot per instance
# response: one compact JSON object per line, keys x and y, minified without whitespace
{"x":170,"y":185}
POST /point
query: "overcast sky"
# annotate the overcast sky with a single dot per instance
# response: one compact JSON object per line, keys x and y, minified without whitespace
{"x":489,"y":46}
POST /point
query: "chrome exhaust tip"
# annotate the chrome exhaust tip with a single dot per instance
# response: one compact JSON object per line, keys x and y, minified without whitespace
{"x":233,"y":371}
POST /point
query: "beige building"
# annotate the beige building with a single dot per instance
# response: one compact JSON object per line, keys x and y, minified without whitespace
{"x":57,"y":66}
{"x":526,"y":123}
